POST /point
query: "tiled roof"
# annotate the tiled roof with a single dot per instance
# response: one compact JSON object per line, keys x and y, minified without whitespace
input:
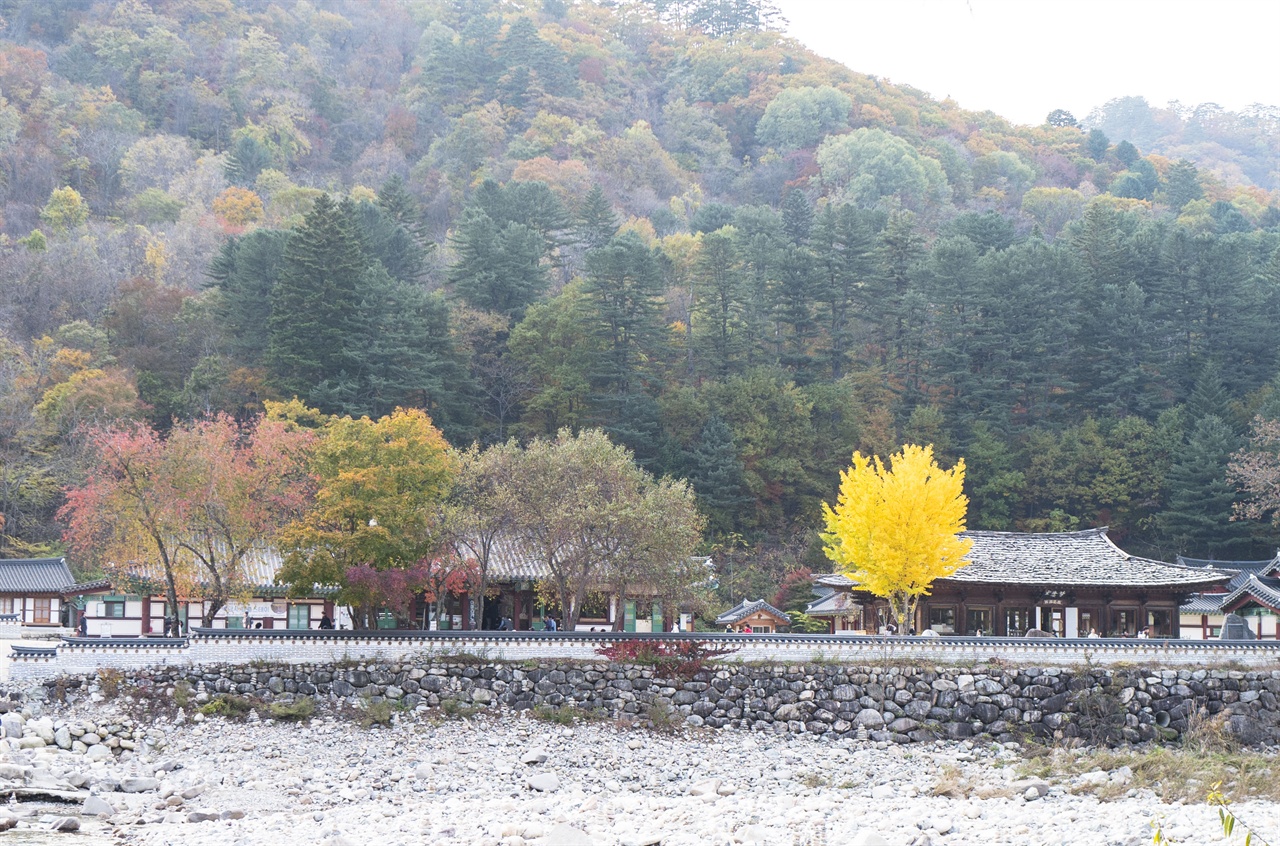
{"x":1241,"y":569}
{"x":34,"y":575}
{"x":510,"y":561}
{"x":1262,"y":591}
{"x":746,"y":608}
{"x":95,"y":586}
{"x":832,"y":605}
{"x":835,"y":580}
{"x":1203,"y":603}
{"x":1086,"y":558}
{"x":260,"y":566}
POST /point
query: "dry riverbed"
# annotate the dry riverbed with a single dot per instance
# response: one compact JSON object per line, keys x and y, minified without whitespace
{"x":518,"y":781}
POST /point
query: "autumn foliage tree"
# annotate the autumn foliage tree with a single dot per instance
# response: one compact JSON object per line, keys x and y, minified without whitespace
{"x":894,"y":530}
{"x":380,"y":487}
{"x":189,"y":509}
{"x":1255,"y":471}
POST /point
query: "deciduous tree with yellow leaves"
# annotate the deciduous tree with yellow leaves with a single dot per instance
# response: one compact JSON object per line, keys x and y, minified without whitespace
{"x":895,"y":529}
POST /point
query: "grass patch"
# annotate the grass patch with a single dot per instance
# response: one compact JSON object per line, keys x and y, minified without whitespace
{"x":182,"y":694}
{"x":814,"y":780}
{"x":952,"y":783}
{"x":229,"y":705}
{"x":376,"y":713}
{"x":296,"y":711}
{"x":661,"y":718}
{"x":567,"y":715}
{"x":454,"y":709}
{"x":1173,"y":774}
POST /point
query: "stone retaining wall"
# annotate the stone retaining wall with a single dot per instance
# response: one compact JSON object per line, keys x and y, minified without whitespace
{"x":898,"y":704}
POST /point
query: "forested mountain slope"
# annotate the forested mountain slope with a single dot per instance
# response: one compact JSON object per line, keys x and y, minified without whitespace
{"x":660,"y":218}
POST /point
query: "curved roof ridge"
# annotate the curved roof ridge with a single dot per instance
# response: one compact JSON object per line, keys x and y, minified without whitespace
{"x":1097,"y":530}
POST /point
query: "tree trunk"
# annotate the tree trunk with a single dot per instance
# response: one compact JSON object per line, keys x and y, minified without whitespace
{"x":903,"y":606}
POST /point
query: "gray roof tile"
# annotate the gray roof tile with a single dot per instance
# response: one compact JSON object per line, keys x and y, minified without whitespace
{"x":1087,"y":558}
{"x":745,"y":609}
{"x":1264,"y":592}
{"x":34,"y":575}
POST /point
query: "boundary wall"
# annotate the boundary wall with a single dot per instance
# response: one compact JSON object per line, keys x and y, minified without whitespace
{"x":78,"y":656}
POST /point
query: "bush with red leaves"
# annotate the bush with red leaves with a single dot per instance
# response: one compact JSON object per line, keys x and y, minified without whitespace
{"x":683,"y":658}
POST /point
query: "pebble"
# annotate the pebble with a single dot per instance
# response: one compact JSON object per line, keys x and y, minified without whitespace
{"x":515,"y":781}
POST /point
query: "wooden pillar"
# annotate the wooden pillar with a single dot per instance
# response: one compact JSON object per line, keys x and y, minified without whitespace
{"x":146,"y":615}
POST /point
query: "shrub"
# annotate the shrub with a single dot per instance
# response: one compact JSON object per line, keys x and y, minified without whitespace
{"x":228,"y":705}
{"x":296,"y":711}
{"x":376,"y":713}
{"x":684,"y":658}
{"x":1100,"y":717}
{"x":109,"y":681}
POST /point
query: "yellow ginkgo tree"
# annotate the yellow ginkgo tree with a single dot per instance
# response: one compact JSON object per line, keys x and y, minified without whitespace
{"x":895,"y":529}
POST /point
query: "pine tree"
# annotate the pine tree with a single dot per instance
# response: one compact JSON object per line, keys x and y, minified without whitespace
{"x":715,"y":471}
{"x":792,"y":295}
{"x":499,"y":267}
{"x":623,"y":283}
{"x":1198,"y":515}
{"x":316,"y":301}
{"x":843,"y":245}
{"x":245,"y":272}
{"x":719,"y":333}
{"x":797,"y":216}
{"x":596,"y":222}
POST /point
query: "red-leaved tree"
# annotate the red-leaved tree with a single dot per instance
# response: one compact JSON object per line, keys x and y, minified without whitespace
{"x":188,"y":510}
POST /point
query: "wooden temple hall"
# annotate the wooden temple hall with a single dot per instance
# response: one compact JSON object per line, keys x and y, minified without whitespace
{"x":1066,"y":584}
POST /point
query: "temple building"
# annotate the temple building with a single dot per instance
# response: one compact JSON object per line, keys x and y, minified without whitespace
{"x":1252,"y":593}
{"x":1067,"y":584}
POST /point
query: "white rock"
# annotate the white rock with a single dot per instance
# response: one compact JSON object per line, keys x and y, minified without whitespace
{"x":566,"y":835}
{"x":867,"y":837}
{"x":544,"y":782}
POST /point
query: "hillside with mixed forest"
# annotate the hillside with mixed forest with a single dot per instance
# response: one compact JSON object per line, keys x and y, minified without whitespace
{"x":662,"y":218}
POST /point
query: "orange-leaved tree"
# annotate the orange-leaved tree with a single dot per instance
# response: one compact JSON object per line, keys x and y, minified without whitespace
{"x":894,"y":529}
{"x":187,"y":510}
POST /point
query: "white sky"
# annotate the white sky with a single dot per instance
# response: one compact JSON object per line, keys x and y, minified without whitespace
{"x":1024,"y":58}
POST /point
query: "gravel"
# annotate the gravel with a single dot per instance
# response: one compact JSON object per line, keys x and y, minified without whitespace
{"x":515,"y":781}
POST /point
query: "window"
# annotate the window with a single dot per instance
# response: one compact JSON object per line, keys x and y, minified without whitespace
{"x":977,"y":620}
{"x":942,"y":619}
{"x":40,"y":613}
{"x":113,"y":608}
{"x":1126,"y":622}
{"x":299,"y":616}
{"x":1160,"y":624}
{"x":6,"y":605}
{"x":1088,"y":622}
{"x":1017,"y":621}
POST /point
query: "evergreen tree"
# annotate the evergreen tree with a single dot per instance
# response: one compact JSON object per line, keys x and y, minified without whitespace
{"x":245,"y":271}
{"x":1182,"y":185}
{"x":499,"y":267}
{"x":719,"y":331}
{"x":1096,"y":144}
{"x":843,"y":245}
{"x":387,"y":241}
{"x":315,"y":303}
{"x":715,"y":471}
{"x":247,"y":158}
{"x":1197,"y":518}
{"x":596,"y":223}
{"x":792,"y":295}
{"x":623,"y":283}
{"x":400,"y":206}
{"x":797,"y":216}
